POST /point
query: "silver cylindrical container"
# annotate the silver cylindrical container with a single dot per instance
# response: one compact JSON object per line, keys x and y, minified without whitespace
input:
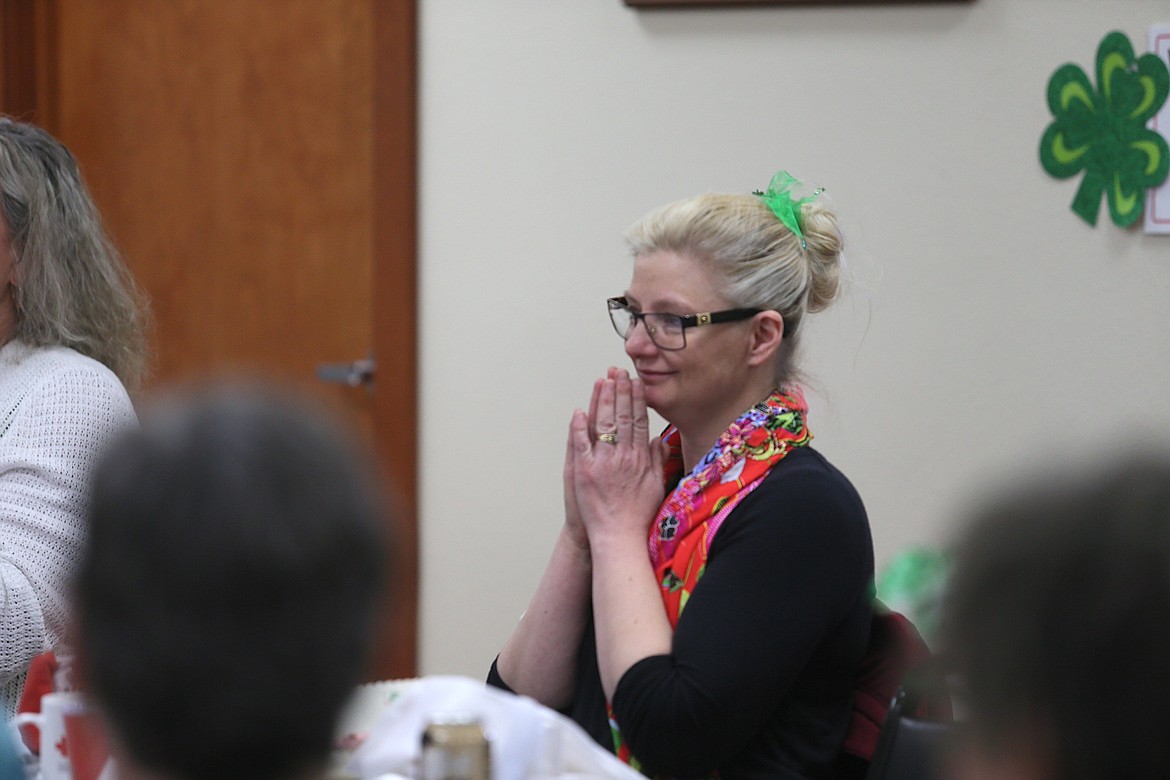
{"x":455,"y":748}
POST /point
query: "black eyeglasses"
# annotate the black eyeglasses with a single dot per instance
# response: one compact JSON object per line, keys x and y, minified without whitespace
{"x":668,"y":331}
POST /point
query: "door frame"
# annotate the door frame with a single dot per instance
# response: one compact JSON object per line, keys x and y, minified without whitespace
{"x":28,"y":60}
{"x":395,"y":317}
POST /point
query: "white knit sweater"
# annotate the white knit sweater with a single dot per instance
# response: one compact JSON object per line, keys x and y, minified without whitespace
{"x":57,"y":410}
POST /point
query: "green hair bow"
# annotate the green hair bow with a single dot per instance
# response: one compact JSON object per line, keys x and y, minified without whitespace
{"x":786,"y":206}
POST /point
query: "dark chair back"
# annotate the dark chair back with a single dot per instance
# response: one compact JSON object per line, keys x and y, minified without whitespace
{"x":895,"y":648}
{"x":909,"y":747}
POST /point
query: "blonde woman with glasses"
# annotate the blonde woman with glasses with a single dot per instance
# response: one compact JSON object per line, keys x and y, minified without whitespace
{"x":707,"y":603}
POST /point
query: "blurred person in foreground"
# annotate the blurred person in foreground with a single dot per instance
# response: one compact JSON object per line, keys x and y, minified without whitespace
{"x":1058,"y":626}
{"x":227,"y":596}
{"x":72,"y":348}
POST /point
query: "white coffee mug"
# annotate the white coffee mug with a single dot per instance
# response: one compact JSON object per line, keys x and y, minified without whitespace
{"x":50,"y":721}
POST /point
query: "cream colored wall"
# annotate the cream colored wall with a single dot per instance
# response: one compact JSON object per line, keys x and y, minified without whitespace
{"x":987,"y":330}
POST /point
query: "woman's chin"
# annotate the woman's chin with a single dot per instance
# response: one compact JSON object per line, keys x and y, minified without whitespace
{"x":659,"y":401}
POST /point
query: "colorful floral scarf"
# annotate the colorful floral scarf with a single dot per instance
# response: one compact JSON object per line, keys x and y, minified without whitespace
{"x":695,"y":509}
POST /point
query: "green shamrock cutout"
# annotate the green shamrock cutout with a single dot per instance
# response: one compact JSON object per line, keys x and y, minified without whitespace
{"x":1104,"y":133}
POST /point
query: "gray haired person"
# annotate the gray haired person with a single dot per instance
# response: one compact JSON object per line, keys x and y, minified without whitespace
{"x":1057,"y":624}
{"x":72,"y":348}
{"x":227,"y":597}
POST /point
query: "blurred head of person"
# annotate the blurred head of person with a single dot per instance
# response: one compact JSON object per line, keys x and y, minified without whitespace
{"x":1056,"y":624}
{"x":227,"y":595}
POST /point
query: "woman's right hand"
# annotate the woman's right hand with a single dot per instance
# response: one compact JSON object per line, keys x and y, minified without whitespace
{"x":574,"y":526}
{"x":540,"y":658}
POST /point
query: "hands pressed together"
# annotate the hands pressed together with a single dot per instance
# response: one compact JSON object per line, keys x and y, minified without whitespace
{"x":613,"y":469}
{"x":599,"y":566}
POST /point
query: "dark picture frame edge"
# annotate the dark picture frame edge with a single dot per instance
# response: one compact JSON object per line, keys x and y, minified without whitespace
{"x":727,"y":3}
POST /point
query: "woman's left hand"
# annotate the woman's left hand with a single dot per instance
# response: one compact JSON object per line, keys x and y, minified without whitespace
{"x":617,"y":473}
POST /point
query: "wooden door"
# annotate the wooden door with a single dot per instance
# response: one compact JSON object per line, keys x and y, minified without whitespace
{"x":255,"y":161}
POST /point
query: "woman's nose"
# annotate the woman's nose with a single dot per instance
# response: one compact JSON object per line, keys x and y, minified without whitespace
{"x":639,"y":341}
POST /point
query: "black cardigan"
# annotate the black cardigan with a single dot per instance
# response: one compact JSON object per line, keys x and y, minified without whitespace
{"x":760,"y":677}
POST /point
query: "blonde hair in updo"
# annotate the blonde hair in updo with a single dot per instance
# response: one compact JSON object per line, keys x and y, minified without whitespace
{"x":760,"y":261}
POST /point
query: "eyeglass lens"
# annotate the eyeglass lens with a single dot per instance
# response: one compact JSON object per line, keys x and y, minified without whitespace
{"x":665,"y":330}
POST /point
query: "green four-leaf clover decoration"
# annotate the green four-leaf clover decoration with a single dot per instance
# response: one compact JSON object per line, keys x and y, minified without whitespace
{"x":1103,"y":132}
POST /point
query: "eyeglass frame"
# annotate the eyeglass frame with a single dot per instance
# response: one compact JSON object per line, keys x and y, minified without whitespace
{"x":696,"y":320}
